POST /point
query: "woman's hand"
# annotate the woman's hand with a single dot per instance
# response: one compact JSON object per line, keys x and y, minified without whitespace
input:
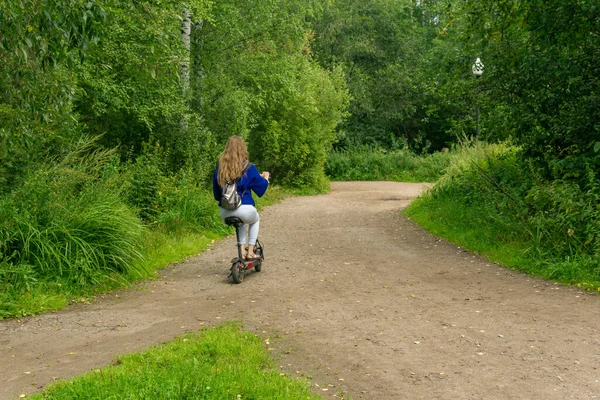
{"x":266,"y":175}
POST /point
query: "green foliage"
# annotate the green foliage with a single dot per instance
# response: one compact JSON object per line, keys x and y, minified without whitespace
{"x":565,"y":216}
{"x":365,"y":164}
{"x":237,"y":34}
{"x":48,"y":32}
{"x":130,"y":84}
{"x":408,"y":68}
{"x":190,"y":207}
{"x":63,"y":230}
{"x":253,"y":78}
{"x":39,"y":40}
{"x":175,"y":202}
{"x":491,"y":201}
{"x":299,"y":107}
{"x":219,"y":363}
{"x":541,"y":78}
{"x":146,"y":185}
{"x":381,"y":46}
{"x":63,"y":222}
{"x":21,"y":293}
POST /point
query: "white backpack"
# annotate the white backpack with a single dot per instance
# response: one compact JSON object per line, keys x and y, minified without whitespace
{"x":231,"y":199}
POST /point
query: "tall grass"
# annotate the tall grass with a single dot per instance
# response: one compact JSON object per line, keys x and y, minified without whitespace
{"x":190,"y":207}
{"x":366,"y":164}
{"x":87,"y":235}
{"x":88,"y":223}
{"x":65,"y":222}
{"x":218,"y":363}
{"x":63,"y":230}
{"x":492,"y":201}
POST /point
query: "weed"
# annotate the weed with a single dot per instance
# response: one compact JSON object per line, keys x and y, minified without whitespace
{"x":218,"y":363}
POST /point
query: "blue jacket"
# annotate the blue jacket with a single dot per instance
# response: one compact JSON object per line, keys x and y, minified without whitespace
{"x":250,"y":181}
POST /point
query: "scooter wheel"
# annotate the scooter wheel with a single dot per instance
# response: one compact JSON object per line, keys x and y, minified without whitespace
{"x":237,"y":271}
{"x":259,"y":252}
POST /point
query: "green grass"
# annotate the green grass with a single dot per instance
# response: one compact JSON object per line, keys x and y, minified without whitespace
{"x":23,"y":291}
{"x":217,"y":363}
{"x":471,"y":229}
{"x":366,"y":164}
{"x":489,"y":202}
{"x":475,"y":230}
{"x":158,"y":249}
{"x":164,"y":248}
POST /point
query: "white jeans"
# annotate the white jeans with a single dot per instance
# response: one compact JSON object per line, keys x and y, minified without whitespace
{"x":249,"y":215}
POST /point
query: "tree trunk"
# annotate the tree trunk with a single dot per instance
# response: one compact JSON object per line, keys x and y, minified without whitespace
{"x":186,"y":32}
{"x":184,"y":72}
{"x":197,"y":66}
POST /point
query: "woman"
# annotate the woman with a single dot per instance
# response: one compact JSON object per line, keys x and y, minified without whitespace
{"x":234,"y":166}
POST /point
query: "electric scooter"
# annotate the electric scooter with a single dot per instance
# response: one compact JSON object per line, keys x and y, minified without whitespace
{"x":239,"y":265}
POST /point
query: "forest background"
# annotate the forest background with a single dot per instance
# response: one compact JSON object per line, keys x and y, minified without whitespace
{"x":113,"y":114}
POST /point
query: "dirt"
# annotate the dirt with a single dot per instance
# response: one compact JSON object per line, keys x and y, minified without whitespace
{"x":352,"y":295}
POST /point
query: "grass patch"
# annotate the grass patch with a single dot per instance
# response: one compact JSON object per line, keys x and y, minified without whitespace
{"x":493,"y":203}
{"x":470,"y":229}
{"x":158,"y":249}
{"x":164,"y":248}
{"x":365,"y":164}
{"x":475,"y":230}
{"x":218,"y":363}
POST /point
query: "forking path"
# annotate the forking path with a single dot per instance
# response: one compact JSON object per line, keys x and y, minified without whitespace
{"x":352,"y":294}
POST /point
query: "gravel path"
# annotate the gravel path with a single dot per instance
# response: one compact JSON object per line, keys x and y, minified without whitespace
{"x":353,"y":295}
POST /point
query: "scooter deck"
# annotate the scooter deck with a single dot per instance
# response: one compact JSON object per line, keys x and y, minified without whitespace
{"x":248,"y":264}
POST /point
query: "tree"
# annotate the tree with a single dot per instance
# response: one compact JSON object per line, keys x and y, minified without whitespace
{"x":257,"y":80}
{"x":543,"y":75}
{"x":39,"y":41}
{"x":381,"y":46}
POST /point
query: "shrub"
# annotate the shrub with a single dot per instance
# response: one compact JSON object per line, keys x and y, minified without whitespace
{"x":190,"y":206}
{"x":296,"y":119}
{"x":146,"y":180}
{"x":64,"y":222}
{"x":492,"y":192}
{"x":368,"y":164}
{"x":565,"y":219}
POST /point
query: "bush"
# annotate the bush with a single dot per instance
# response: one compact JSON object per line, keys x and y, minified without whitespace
{"x":365,"y":164}
{"x":147,"y":176}
{"x":190,"y":206}
{"x":492,"y":194}
{"x":65,"y":222}
{"x":565,"y":219}
{"x":68,"y":230}
{"x":296,"y":120}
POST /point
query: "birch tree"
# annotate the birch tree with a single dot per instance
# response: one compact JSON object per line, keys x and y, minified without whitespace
{"x":186,"y":33}
{"x":184,"y":74}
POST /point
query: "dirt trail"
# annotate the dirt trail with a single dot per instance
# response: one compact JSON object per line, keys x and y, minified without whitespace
{"x":360,"y":298}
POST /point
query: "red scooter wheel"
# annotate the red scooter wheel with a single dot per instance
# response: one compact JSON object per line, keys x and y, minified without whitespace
{"x":237,"y":271}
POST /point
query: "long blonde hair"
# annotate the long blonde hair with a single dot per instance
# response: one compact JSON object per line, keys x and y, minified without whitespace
{"x":233,"y":160}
